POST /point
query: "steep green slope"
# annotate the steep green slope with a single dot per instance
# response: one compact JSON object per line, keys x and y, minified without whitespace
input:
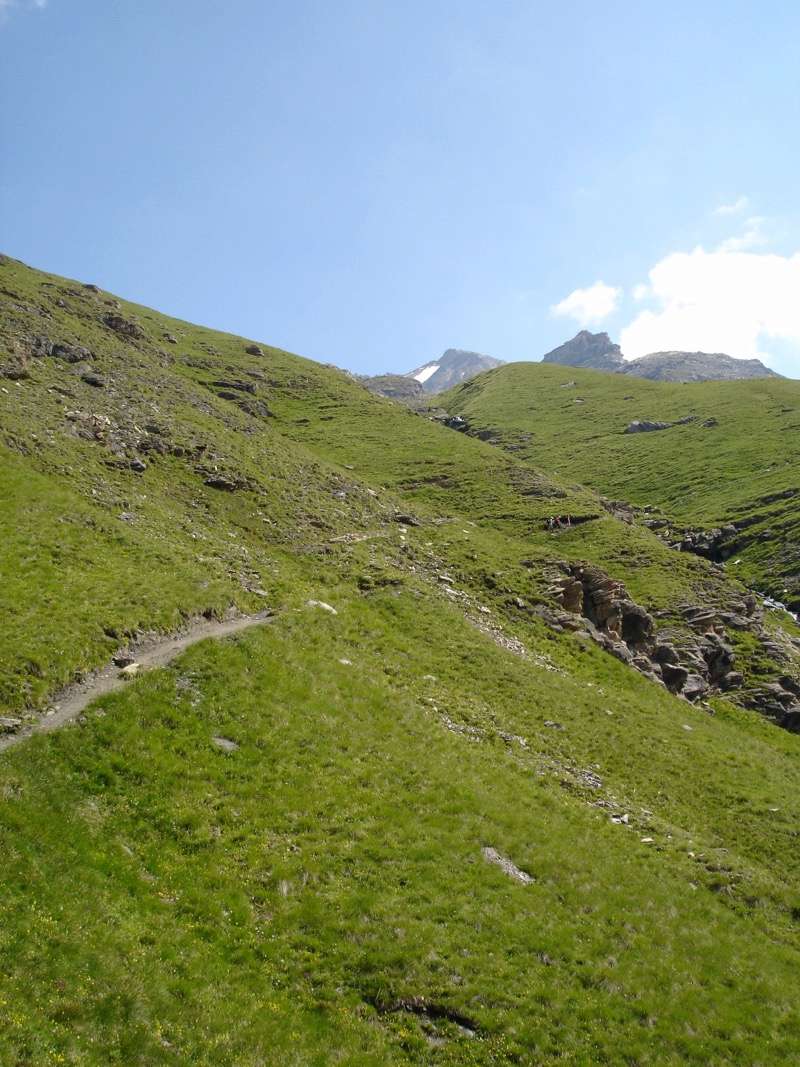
{"x":321,"y":893}
{"x":735,"y":462}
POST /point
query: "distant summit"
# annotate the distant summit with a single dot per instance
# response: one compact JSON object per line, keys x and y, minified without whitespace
{"x":695,"y":367}
{"x":456,"y":365}
{"x":596,"y":351}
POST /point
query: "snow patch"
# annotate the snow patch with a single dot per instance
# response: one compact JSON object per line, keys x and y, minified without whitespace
{"x":426,"y":372}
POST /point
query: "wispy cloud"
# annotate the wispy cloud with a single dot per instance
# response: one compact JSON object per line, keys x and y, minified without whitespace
{"x":752,"y":236}
{"x":735,"y":208}
{"x":590,"y":305}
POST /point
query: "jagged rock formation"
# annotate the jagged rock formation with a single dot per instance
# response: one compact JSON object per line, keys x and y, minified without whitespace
{"x":593,"y":351}
{"x":693,"y":660}
{"x":695,"y":367}
{"x":596,"y":351}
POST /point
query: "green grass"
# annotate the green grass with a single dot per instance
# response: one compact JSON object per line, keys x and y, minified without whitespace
{"x":699,"y":475}
{"x":166,"y":902}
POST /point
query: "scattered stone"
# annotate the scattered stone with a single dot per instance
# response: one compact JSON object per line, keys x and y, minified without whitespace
{"x":94,"y":380}
{"x":322,"y":605}
{"x":124,"y":659}
{"x":8,"y":724}
{"x":225,"y":744}
{"x":254,"y":350}
{"x":92,"y":288}
{"x":553,"y":725}
{"x":346,"y":662}
{"x":138,"y":465}
{"x":491,"y":855}
{"x":129,"y":671}
{"x":170,"y":339}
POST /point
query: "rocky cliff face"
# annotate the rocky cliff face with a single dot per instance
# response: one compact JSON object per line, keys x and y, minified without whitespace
{"x":593,"y":351}
{"x":695,"y":367}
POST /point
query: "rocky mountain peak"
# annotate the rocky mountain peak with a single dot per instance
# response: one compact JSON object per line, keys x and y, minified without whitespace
{"x":595,"y":351}
{"x":456,"y":365}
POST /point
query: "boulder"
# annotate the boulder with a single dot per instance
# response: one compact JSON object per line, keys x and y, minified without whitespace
{"x":122,"y":326}
{"x":694,"y":687}
{"x":70,"y":353}
{"x":646,"y":426}
{"x":675,"y":676}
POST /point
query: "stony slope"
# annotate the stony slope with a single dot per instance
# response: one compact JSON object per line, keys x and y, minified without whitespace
{"x":350,"y":870}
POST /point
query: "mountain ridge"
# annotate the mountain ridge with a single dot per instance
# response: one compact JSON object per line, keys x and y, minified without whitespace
{"x":596,"y":351}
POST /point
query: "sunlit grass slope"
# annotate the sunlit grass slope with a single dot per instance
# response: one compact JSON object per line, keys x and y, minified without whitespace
{"x":319,"y":894}
{"x":738,"y":459}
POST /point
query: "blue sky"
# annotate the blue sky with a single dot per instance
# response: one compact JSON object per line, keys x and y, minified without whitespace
{"x":368,"y":183}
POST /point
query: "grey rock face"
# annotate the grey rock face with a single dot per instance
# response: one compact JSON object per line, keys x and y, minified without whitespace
{"x":595,"y":351}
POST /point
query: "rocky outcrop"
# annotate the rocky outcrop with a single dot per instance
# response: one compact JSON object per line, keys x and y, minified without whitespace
{"x":124,"y":327}
{"x":692,"y":660}
{"x":648,"y":426}
{"x":594,"y":351}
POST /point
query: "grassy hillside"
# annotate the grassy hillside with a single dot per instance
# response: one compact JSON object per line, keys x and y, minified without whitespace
{"x":736,"y":461}
{"x":321,"y":893}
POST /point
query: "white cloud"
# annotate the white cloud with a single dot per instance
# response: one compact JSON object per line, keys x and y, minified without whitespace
{"x":589,"y":305}
{"x":736,"y":208}
{"x":725,"y":300}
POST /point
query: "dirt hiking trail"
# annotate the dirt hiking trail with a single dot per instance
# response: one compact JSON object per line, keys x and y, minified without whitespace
{"x":155,"y":651}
